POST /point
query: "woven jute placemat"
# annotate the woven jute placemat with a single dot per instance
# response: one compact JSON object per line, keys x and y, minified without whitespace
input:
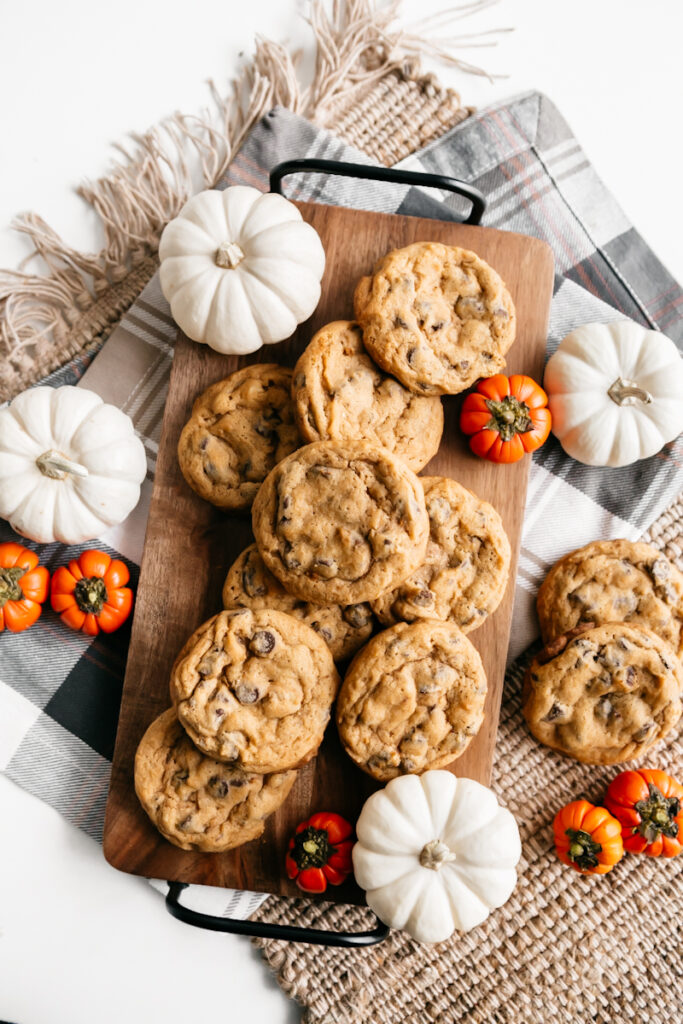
{"x":564,"y":948}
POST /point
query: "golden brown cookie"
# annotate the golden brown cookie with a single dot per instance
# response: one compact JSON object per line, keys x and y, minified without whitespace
{"x":198,"y":803}
{"x":465,"y":572}
{"x":605,"y":694}
{"x":250,"y":585}
{"x":239,"y":429}
{"x":340,"y":394}
{"x":255,"y":689}
{"x":613,"y":581}
{"x":341,"y":522}
{"x":412,"y":699}
{"x":435,"y":316}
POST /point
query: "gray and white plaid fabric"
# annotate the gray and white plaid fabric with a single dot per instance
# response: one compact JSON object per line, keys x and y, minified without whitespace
{"x":60,"y":692}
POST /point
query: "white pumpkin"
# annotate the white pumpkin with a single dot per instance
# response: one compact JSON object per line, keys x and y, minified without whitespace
{"x":240,"y":268}
{"x":435,"y":854}
{"x":70,"y":466}
{"x":615,"y":393}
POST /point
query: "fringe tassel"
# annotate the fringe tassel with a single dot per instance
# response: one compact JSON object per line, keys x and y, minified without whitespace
{"x":46,"y":319}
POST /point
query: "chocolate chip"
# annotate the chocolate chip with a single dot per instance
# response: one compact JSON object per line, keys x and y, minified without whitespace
{"x":247,"y":694}
{"x":267,"y":432}
{"x":203,"y":444}
{"x":217,"y":786}
{"x":219,"y":712}
{"x":501,"y":313}
{"x":358,"y":616}
{"x":437,"y":326}
{"x":408,"y":764}
{"x":324,"y":632}
{"x":185,"y":823}
{"x":300,"y":380}
{"x":251,"y":587}
{"x":179,"y":777}
{"x":400,"y":322}
{"x":211,"y":470}
{"x":604,"y":708}
{"x":207,"y":666}
{"x":555,"y":712}
{"x":325,"y":567}
{"x":262,"y":642}
{"x":410,"y":355}
{"x":644,"y":732}
{"x":423,"y":598}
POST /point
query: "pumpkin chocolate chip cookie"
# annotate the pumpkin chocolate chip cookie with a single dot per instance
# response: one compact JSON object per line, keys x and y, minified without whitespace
{"x":412,"y":699}
{"x":250,"y":585}
{"x":613,"y":581}
{"x":435,"y":316}
{"x":605,"y":694}
{"x":340,"y":394}
{"x":465,"y":572}
{"x":239,"y":429}
{"x":198,"y":803}
{"x":340,"y":523}
{"x":255,"y":688}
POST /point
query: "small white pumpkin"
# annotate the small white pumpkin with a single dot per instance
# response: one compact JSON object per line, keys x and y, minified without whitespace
{"x":435,"y":854}
{"x":70,"y":466}
{"x":615,"y":393}
{"x":240,"y":268}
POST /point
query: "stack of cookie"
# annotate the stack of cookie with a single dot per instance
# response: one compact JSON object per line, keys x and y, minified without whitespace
{"x":346,"y":537}
{"x":608,"y":684}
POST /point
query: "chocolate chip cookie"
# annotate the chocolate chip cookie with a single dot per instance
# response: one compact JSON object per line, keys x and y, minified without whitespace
{"x":340,"y":394}
{"x":239,"y":429}
{"x":250,"y":585}
{"x":465,"y":572}
{"x":198,"y":803}
{"x":435,"y":316}
{"x":255,"y":689}
{"x":604,"y":694}
{"x":341,"y":522}
{"x":412,"y":699}
{"x":613,"y":581}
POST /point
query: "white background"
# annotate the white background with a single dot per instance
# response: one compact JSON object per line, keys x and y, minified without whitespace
{"x":80,"y":943}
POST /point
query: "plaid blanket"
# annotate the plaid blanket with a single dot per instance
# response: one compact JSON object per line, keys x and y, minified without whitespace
{"x":60,"y":691}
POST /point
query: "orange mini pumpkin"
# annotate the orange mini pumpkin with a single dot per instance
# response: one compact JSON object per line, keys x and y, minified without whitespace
{"x":506,"y":417}
{"x":587,"y":838}
{"x":649,"y":805}
{"x":23,"y":587}
{"x":90,"y":593}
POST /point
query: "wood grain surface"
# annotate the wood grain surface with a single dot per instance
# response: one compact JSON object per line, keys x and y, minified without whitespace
{"x":190,"y":545}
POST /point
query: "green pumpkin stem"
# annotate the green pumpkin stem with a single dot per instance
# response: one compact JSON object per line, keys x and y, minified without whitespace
{"x":90,"y":594}
{"x":312,"y":848}
{"x":509,"y":416}
{"x":657,"y":815}
{"x":9,"y":585}
{"x":583,"y":850}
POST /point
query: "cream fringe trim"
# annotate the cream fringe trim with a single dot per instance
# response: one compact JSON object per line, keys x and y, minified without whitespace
{"x":46,"y":318}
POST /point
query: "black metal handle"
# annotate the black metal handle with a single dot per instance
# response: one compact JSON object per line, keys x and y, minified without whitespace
{"x":392,"y":174}
{"x":263,"y":930}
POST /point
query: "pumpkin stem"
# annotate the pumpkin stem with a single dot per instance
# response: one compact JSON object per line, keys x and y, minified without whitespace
{"x":90,"y":594}
{"x":312,"y":848}
{"x":9,"y":585}
{"x":627,"y":392}
{"x":657,"y":815}
{"x":583,"y":850}
{"x":435,"y":854}
{"x":57,"y":466}
{"x":509,"y":416}
{"x":228,"y":255}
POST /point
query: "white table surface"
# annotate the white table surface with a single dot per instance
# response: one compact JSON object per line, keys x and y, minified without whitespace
{"x":79,"y":942}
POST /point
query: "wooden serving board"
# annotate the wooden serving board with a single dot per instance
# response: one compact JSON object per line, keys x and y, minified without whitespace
{"x":190,"y":545}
